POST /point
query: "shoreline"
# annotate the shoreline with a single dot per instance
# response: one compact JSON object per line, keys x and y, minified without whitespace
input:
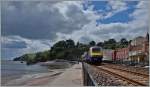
{"x":34,"y":79}
{"x":54,"y":69}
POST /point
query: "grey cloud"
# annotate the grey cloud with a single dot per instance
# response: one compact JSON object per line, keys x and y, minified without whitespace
{"x":29,"y":21}
{"x":15,"y":44}
{"x":30,"y":24}
{"x":104,"y":29}
{"x":85,"y":39}
{"x":143,"y":29}
{"x":77,"y":16}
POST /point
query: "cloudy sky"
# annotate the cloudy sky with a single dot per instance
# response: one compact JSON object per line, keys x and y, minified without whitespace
{"x":32,"y":26}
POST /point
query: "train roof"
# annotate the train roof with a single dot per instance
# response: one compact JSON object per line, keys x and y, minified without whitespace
{"x":107,"y":50}
{"x":95,"y":47}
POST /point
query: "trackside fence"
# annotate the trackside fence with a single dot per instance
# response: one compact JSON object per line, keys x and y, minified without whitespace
{"x":87,"y":77}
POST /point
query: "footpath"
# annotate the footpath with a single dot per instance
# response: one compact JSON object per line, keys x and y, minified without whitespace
{"x":71,"y":77}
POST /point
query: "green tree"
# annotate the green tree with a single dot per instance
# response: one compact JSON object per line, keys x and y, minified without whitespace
{"x":110,"y":44}
{"x":30,"y":58}
{"x":42,"y":56}
{"x":111,"y":41}
{"x":123,"y":41}
{"x":61,"y":44}
{"x":70,"y":43}
{"x":78,"y":44}
{"x":100,"y":44}
{"x":130,"y":41}
{"x":92,"y":43}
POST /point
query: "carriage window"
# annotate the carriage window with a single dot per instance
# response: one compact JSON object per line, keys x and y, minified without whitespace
{"x":96,"y":49}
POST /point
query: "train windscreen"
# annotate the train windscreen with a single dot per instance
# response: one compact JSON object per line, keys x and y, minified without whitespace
{"x":96,"y":49}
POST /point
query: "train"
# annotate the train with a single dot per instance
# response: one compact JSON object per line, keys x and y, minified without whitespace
{"x":136,"y":53}
{"x":97,"y":55}
{"x":94,"y":55}
{"x":108,"y":55}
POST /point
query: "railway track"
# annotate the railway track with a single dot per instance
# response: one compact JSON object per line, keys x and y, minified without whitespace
{"x":131,"y":68}
{"x":128,"y":71}
{"x":130,"y":77}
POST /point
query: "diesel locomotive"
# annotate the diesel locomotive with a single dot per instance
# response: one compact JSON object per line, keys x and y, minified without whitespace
{"x":94,"y":55}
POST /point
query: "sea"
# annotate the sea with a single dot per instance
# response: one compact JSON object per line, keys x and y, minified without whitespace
{"x":15,"y":69}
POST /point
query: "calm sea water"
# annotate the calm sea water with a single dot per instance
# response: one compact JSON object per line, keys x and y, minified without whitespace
{"x":15,"y":69}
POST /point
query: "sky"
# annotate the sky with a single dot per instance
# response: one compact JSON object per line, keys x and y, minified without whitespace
{"x":33,"y":26}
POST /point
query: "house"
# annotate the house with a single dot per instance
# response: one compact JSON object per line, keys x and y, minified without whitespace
{"x":138,"y":49}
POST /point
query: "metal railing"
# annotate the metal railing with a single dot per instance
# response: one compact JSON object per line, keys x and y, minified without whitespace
{"x":87,"y":77}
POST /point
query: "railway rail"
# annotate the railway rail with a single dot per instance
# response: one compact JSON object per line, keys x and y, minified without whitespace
{"x":111,"y":76}
{"x":128,"y":71}
{"x":130,"y":77}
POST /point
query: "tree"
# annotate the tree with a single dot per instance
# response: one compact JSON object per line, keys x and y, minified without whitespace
{"x":42,"y":56}
{"x":30,"y":58}
{"x":61,"y":44}
{"x":130,"y":41}
{"x":111,"y":41}
{"x":70,"y":43}
{"x":101,"y":44}
{"x":110,"y":44}
{"x":78,"y":44}
{"x":92,"y":43}
{"x":123,"y":41}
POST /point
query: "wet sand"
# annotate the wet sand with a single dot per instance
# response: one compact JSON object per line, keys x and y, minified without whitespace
{"x":39,"y":79}
{"x":56,"y":71}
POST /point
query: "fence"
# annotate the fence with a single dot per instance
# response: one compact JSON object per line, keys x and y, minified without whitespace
{"x":87,"y":77}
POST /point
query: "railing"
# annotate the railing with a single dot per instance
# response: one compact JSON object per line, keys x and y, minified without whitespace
{"x":87,"y":77}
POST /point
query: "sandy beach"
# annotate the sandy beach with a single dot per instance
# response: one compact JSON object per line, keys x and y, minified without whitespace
{"x":54,"y":70}
{"x":35,"y":79}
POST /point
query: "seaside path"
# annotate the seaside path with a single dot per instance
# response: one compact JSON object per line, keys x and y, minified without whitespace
{"x":71,"y":77}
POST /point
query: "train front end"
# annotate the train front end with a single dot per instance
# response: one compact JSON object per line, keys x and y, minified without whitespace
{"x":95,"y":54}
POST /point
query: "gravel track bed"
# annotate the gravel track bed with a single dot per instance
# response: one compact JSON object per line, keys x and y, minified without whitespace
{"x":133,"y":76}
{"x":129,"y":68}
{"x":105,"y":79}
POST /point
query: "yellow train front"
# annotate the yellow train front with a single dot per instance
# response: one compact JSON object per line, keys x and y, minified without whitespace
{"x":95,"y":55}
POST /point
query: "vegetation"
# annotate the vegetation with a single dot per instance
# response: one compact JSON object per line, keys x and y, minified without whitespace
{"x":92,"y":43}
{"x":68,"y":50}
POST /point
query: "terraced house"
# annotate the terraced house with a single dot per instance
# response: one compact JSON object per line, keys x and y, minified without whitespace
{"x":139,"y":50}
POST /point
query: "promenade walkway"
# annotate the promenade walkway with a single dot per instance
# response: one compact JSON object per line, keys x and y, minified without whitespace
{"x":71,"y":77}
